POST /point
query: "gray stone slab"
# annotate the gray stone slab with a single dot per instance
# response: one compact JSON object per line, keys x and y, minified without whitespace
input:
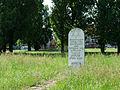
{"x":76,"y":46}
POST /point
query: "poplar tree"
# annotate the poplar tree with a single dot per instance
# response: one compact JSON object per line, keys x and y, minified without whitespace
{"x":104,"y":22}
{"x":67,"y":14}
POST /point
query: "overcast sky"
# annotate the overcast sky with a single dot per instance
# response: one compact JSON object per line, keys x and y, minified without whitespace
{"x":48,"y":2}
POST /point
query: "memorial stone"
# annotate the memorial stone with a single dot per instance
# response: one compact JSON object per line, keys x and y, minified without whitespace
{"x":76,"y":48}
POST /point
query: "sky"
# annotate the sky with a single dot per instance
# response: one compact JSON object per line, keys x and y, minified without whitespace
{"x":48,"y":2}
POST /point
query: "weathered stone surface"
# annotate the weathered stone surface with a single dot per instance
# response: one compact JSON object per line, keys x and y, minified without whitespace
{"x":76,"y":47}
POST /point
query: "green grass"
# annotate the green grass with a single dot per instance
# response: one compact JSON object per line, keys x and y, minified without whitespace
{"x":98,"y":50}
{"x":19,"y":71}
{"x":101,"y":72}
{"x":57,"y":51}
{"x":46,"y":52}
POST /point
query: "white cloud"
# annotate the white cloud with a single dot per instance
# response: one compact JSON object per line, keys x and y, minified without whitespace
{"x":48,"y":2}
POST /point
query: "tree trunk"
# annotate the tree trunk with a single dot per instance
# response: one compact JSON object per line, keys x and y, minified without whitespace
{"x":62,"y":45}
{"x":102,"y":48}
{"x":0,"y":50}
{"x":10,"y":47}
{"x":102,"y":45}
{"x":29,"y":46}
{"x":4,"y":47}
{"x":11,"y":41}
{"x":118,"y":50}
{"x":36,"y":46}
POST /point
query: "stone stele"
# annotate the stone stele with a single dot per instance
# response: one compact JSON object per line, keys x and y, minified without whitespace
{"x":76,"y":46}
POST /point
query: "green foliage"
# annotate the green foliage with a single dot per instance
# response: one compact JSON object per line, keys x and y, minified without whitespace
{"x":19,"y":42}
{"x":107,"y":22}
{"x":10,"y":16}
{"x":47,"y":32}
{"x":103,"y":21}
{"x":67,"y":14}
{"x":23,"y":19}
{"x":59,"y":43}
{"x":42,"y":27}
{"x":60,"y":20}
{"x":115,"y":25}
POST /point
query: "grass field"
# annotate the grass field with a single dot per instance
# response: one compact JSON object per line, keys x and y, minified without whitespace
{"x":56,"y":52}
{"x":19,"y":71}
{"x":98,"y":50}
{"x":101,"y":72}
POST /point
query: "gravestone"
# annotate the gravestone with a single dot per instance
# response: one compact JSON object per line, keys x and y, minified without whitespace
{"x":76,"y":48}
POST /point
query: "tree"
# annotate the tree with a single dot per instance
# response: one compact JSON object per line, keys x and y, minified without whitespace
{"x":38,"y":23}
{"x":42,"y":31}
{"x":117,"y":21}
{"x":79,"y":10}
{"x":103,"y":21}
{"x":68,"y":14}
{"x":23,"y":19}
{"x":2,"y":26}
{"x":60,"y":19}
{"x":114,"y":36}
{"x":47,"y":32}
{"x":28,"y":10}
{"x":9,"y":24}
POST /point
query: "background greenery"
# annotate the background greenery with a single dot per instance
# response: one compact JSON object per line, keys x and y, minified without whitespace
{"x":32,"y":23}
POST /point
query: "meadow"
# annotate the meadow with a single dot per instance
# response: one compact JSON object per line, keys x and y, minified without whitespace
{"x":23,"y":72}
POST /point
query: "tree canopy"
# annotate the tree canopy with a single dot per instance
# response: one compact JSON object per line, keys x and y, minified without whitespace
{"x":23,"y":19}
{"x":30,"y":21}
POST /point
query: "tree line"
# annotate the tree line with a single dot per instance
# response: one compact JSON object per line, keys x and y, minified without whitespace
{"x":103,"y":15}
{"x":24,"y":20}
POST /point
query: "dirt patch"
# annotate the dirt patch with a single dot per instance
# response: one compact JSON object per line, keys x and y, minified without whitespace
{"x":47,"y":84}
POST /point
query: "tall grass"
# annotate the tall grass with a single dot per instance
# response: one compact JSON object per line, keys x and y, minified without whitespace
{"x":19,"y":71}
{"x":101,"y":72}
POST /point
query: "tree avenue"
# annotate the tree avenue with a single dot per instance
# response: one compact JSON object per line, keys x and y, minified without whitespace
{"x":22,"y":19}
{"x":107,"y":22}
{"x":29,"y":21}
